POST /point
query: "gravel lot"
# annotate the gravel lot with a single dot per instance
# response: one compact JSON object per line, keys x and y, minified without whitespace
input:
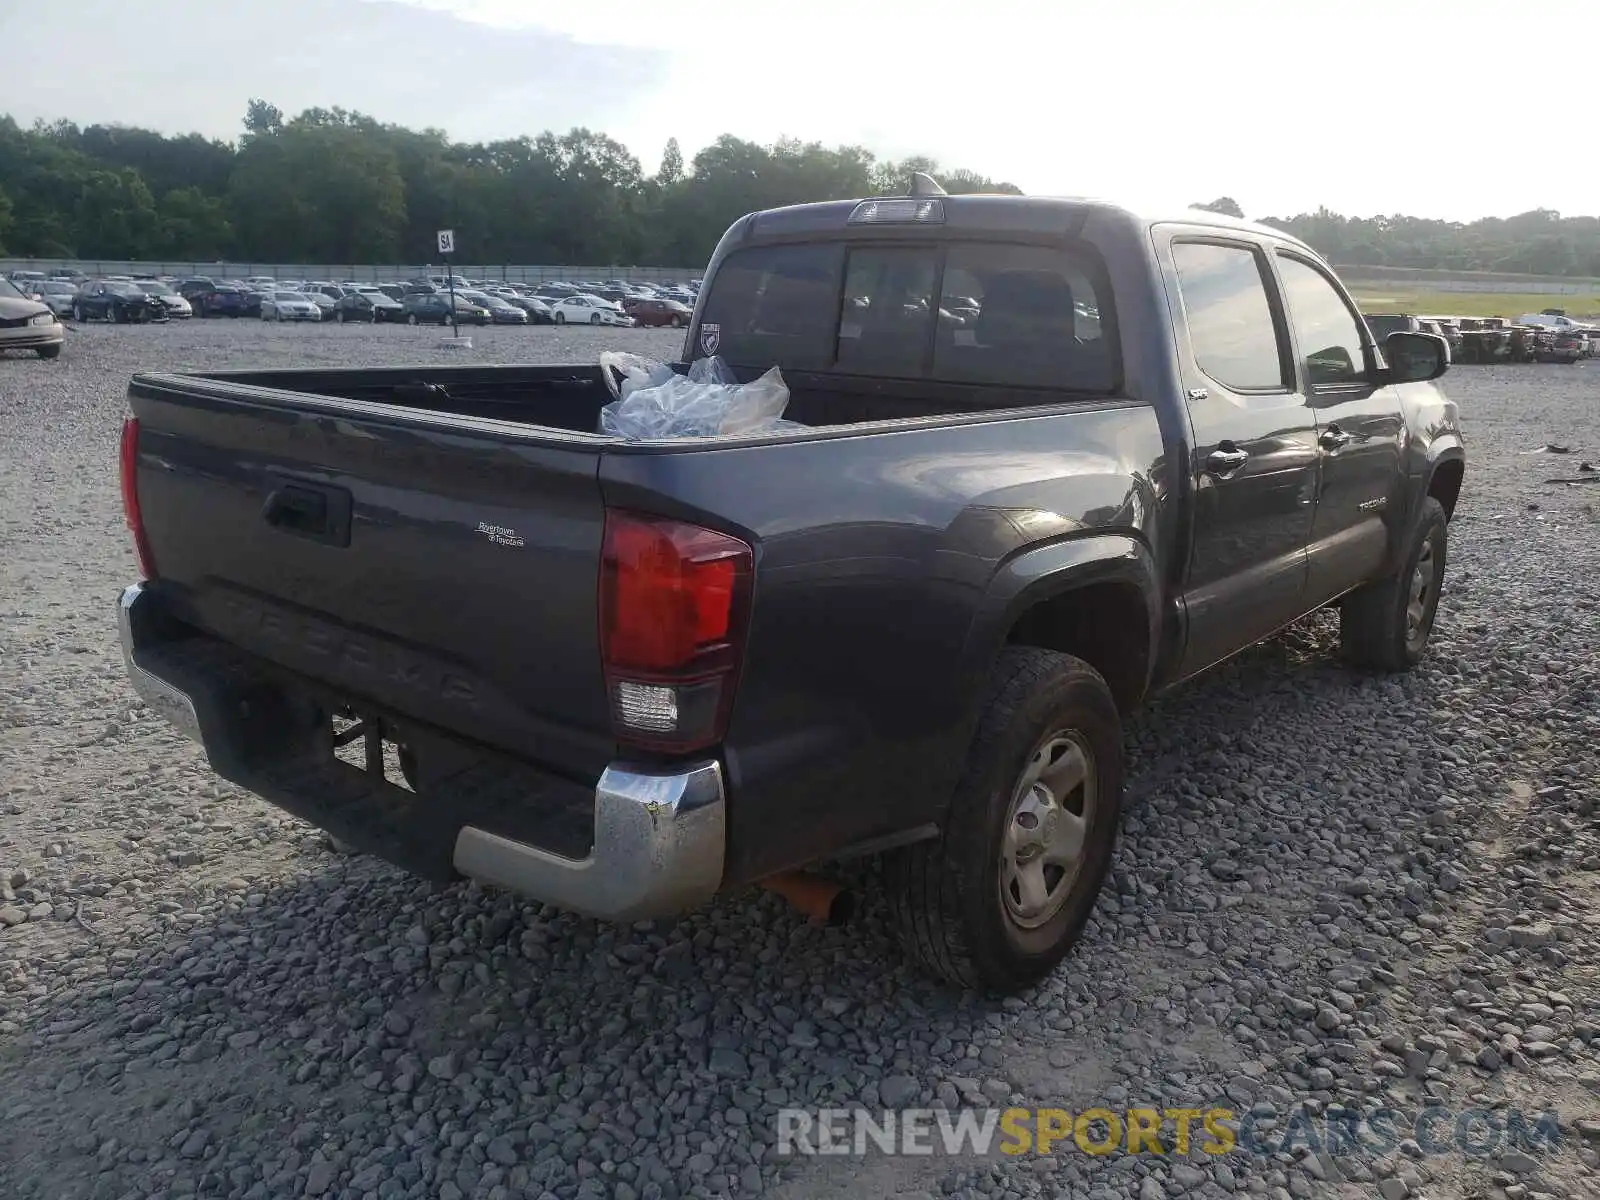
{"x":1331,"y":889}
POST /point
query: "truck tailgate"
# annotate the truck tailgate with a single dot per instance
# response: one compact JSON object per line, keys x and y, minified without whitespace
{"x":431,"y":565}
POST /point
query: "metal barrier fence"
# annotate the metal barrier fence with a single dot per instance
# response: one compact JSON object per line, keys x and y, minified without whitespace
{"x":356,"y":271}
{"x":1408,"y":278}
{"x":1415,"y":279}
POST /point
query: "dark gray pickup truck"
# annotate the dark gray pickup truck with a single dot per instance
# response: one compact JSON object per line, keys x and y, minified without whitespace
{"x":1051,"y":456}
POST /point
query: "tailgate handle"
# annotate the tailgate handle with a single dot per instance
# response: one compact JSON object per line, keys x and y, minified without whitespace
{"x":309,"y":510}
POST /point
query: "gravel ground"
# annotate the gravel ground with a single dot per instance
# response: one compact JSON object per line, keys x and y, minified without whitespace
{"x":1332,"y":890}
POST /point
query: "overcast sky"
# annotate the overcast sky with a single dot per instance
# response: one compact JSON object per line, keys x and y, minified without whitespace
{"x":1454,"y":109}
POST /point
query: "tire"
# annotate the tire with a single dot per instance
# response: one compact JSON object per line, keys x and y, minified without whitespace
{"x":49,"y":351}
{"x":594,"y":318}
{"x":77,"y":314}
{"x":677,"y":322}
{"x":411,"y":318}
{"x":338,"y":316}
{"x":560,"y":319}
{"x":959,"y":901}
{"x":118,"y":316}
{"x":1385,"y":625}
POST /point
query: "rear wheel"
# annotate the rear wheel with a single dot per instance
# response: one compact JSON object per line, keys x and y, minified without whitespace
{"x":1385,"y":625}
{"x":999,"y":898}
{"x":677,"y":322}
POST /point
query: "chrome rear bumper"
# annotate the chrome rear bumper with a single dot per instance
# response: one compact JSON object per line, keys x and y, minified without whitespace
{"x":659,"y":836}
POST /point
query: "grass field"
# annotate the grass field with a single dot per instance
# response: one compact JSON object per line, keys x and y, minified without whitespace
{"x":1376,"y":297}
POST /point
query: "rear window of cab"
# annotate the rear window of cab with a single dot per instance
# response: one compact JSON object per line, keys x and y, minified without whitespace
{"x":989,"y":313}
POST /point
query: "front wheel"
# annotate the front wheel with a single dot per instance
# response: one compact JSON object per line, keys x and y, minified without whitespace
{"x":49,"y":351}
{"x":411,"y":318}
{"x":999,"y":898}
{"x":677,"y":322}
{"x":1385,"y":625}
{"x":77,"y":313}
{"x":339,"y":316}
{"x":561,"y":319}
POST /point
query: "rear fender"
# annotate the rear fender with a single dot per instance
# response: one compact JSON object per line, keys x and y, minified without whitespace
{"x":1047,"y":573}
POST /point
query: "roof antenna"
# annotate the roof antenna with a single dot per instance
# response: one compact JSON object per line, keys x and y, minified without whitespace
{"x":923,"y":184}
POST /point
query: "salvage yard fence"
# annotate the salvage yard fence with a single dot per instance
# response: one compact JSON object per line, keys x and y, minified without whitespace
{"x":1421,"y":279}
{"x":361,"y":272}
{"x":1412,"y":278}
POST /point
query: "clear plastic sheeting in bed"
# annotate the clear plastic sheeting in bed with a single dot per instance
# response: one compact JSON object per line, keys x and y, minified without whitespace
{"x":653,"y":401}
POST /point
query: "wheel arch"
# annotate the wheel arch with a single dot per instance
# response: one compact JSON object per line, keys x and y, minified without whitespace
{"x":1095,"y":598}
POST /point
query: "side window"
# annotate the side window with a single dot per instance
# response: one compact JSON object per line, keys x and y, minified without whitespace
{"x":1225,"y":305}
{"x":1329,"y":334}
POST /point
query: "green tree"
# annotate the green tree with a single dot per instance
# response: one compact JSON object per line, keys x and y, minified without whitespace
{"x":671,"y":170}
{"x":1227,"y":206}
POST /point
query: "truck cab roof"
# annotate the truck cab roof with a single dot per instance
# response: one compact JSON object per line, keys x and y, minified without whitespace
{"x":980,"y":214}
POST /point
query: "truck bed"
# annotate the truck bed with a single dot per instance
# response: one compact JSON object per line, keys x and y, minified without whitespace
{"x":570,"y":398}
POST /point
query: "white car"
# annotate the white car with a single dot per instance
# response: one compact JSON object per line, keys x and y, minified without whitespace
{"x":289,"y":306}
{"x":589,"y":310}
{"x":56,"y":295}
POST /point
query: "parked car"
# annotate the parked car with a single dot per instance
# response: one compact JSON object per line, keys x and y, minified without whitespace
{"x":27,"y":282}
{"x":176,"y":305}
{"x":116,"y":300}
{"x":552,"y":292}
{"x":394,"y":291}
{"x":57,"y":294}
{"x":226,"y":300}
{"x":1562,"y":346}
{"x":538,"y":311}
{"x":195,"y":285}
{"x":588,"y":310}
{"x":367,"y":304}
{"x":658,"y":312}
{"x":289,"y":306}
{"x":1548,"y":320}
{"x":433,"y":308}
{"x":501,"y":311}
{"x":739,"y":672}
{"x":28,"y":324}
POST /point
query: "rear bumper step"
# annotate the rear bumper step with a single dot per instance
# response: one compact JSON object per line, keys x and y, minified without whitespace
{"x":640,"y":843}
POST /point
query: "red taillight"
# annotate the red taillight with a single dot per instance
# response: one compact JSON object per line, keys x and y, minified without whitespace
{"x":129,"y":458}
{"x":674,"y":601}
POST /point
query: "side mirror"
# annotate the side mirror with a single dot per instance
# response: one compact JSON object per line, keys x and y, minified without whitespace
{"x":1416,"y":357}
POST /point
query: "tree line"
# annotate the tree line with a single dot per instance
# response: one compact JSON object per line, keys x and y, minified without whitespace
{"x":335,"y":186}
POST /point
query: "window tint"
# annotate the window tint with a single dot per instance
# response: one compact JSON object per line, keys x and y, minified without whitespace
{"x":1230,"y":320}
{"x":888,"y":299}
{"x":1007,"y":315}
{"x":776,"y":304}
{"x":1328,"y":332}
{"x":1023,"y":316}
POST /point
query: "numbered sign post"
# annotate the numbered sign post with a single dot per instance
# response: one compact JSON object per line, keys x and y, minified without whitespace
{"x":447,"y":247}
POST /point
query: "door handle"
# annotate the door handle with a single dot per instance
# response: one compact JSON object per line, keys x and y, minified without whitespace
{"x":1225,"y":460}
{"x":1333,"y":438}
